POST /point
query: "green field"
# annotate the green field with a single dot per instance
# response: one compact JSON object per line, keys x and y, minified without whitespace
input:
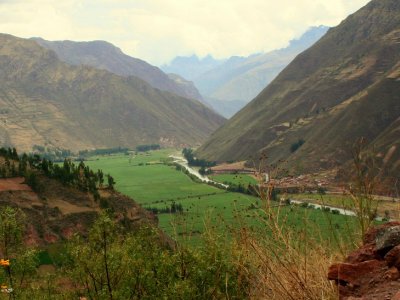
{"x":152,"y":183}
{"x":237,"y":179}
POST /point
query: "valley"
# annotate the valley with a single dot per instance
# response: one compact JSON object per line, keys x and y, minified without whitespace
{"x":260,"y":160}
{"x":154,"y":182}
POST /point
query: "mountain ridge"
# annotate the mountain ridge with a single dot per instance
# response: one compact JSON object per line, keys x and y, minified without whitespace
{"x":44,"y":101}
{"x":317,"y":93}
{"x":232,"y":83}
{"x":104,"y":55}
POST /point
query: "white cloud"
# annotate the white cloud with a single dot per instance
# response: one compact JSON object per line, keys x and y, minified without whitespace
{"x":158,"y":30}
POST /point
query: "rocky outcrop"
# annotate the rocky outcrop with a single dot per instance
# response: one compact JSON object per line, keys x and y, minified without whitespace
{"x":373,"y":270}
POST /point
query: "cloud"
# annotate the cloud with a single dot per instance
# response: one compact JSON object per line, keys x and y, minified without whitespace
{"x":158,"y":30}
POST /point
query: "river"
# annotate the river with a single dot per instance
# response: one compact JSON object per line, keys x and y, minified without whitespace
{"x":183,"y":163}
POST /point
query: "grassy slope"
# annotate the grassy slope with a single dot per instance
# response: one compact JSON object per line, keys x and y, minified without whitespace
{"x":103,"y":55}
{"x":47,"y":101}
{"x":311,"y":96}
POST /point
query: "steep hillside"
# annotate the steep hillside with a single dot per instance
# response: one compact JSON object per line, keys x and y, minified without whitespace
{"x":57,"y":211}
{"x":103,"y":55}
{"x":186,"y":86}
{"x":345,"y":86}
{"x":44,"y":101}
{"x":61,"y":200}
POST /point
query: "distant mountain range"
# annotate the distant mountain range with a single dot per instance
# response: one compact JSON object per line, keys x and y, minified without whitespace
{"x":103,"y":55}
{"x":344,"y":87}
{"x":44,"y":101}
{"x":229,"y":85}
{"x":191,"y":67}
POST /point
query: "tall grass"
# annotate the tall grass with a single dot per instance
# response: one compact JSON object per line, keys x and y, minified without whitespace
{"x":285,"y":262}
{"x":365,"y":178}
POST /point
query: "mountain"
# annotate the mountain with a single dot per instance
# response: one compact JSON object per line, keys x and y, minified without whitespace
{"x":186,"y":86}
{"x":103,"y":55}
{"x":231,"y":85}
{"x":228,"y":85}
{"x":191,"y":67}
{"x":44,"y":101}
{"x":344,"y":87}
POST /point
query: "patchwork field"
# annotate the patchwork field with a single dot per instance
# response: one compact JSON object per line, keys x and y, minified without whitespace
{"x":237,"y":179}
{"x":148,"y":180}
{"x":151,"y":182}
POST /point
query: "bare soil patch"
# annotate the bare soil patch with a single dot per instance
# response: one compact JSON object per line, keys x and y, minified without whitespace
{"x":69,"y":208}
{"x":231,"y":167}
{"x":14,"y":184}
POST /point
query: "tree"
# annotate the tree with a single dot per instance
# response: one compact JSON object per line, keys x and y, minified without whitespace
{"x":97,"y":262}
{"x":14,"y":154}
{"x":100,"y":176}
{"x":297,"y":145}
{"x":22,"y":260}
{"x":110,"y":181}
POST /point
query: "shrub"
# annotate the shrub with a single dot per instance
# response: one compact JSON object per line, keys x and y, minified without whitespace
{"x":295,"y":146}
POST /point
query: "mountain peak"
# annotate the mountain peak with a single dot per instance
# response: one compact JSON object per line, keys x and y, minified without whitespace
{"x":104,"y":55}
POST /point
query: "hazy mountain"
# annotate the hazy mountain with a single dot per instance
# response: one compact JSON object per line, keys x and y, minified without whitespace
{"x":103,"y":55}
{"x":45,"y":101}
{"x":191,"y":67}
{"x":186,"y":86}
{"x":345,"y":86}
{"x":231,"y":85}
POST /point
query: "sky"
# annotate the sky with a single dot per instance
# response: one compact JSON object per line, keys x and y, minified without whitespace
{"x":159,"y":30}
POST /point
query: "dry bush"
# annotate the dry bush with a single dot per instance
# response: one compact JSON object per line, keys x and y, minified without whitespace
{"x":282,"y":261}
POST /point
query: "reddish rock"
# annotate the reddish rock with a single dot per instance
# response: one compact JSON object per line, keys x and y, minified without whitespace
{"x":372,"y":271}
{"x":392,"y":274}
{"x":392,"y":258}
{"x":346,"y":273}
{"x":365,"y":253}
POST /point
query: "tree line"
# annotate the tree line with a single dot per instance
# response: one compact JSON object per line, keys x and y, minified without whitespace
{"x":193,"y":161}
{"x":104,"y":151}
{"x":69,"y":174}
{"x":145,"y":148}
{"x":172,"y":209}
